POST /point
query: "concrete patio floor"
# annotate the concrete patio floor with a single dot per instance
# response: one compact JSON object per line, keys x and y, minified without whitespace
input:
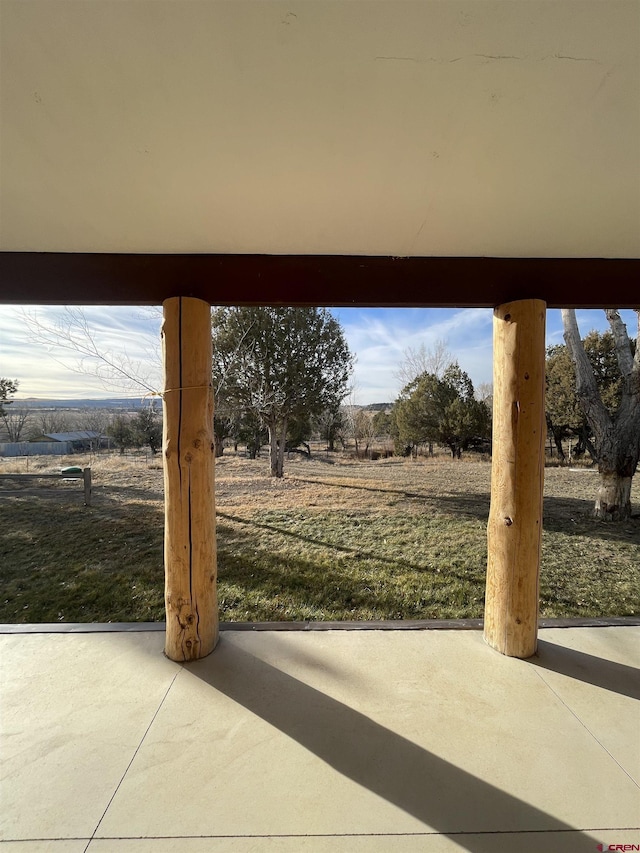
{"x":317,"y":741}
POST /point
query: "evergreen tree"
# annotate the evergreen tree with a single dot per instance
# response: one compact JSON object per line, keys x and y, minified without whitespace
{"x":443,"y":410}
{"x":8,"y":387}
{"x":121,"y":432}
{"x":147,"y":428}
{"x":281,"y":364}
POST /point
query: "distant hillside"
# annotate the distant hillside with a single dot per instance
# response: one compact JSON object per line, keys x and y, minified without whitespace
{"x":111,"y":403}
{"x":378,"y":407}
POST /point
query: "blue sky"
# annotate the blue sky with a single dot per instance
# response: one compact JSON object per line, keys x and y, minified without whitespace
{"x":378,"y":336}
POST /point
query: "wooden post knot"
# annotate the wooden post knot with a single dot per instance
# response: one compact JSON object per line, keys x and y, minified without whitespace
{"x":508,"y":521}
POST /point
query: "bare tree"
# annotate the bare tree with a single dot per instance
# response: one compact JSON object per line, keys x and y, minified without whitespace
{"x":348,"y":411}
{"x":616,"y":433}
{"x":422,"y":359}
{"x":364,"y":429}
{"x":94,"y":420}
{"x":329,"y":423}
{"x":15,"y":421}
{"x":484,"y":393}
{"x":71,"y":335}
{"x":51,"y":420}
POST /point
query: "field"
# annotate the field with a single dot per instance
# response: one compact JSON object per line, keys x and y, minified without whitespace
{"x":335,"y":539}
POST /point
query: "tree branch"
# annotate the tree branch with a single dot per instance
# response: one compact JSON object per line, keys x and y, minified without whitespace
{"x":72,"y":333}
{"x":621,"y":340}
{"x":586,"y":385}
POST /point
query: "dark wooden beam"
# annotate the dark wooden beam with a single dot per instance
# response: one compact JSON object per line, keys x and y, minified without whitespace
{"x":323,"y":280}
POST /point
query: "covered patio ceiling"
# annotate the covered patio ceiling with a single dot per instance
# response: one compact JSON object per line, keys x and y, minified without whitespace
{"x":229,"y":131}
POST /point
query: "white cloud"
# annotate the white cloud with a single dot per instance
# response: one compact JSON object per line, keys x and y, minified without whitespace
{"x":588,"y":320}
{"x":45,"y":370}
{"x":378,"y":336}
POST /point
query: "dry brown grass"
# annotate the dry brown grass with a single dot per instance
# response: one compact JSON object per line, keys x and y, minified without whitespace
{"x":334,"y":539}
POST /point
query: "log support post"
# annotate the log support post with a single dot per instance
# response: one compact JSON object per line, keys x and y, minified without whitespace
{"x":188,"y":453}
{"x":517,"y":478}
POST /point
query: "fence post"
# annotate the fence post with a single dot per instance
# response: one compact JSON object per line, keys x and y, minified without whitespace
{"x":86,"y":476}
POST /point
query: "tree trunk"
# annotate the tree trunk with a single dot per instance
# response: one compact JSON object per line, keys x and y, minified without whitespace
{"x":276,"y":447}
{"x":618,"y":449}
{"x":617,"y":438}
{"x":282,"y":443}
{"x":613,"y":501}
{"x":556,"y":435}
{"x":584,"y":445}
{"x":273,"y":449}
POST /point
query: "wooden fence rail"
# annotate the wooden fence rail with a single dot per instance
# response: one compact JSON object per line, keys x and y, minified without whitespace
{"x":83,"y":474}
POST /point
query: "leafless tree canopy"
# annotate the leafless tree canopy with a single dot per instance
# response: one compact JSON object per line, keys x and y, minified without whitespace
{"x":73,"y":343}
{"x":15,"y":421}
{"x":423,"y":359}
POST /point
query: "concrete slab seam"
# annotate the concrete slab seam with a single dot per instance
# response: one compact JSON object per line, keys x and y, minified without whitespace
{"x":586,"y":727}
{"x":133,"y":757}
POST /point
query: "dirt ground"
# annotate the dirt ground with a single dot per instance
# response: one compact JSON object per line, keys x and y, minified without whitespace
{"x":312,"y":482}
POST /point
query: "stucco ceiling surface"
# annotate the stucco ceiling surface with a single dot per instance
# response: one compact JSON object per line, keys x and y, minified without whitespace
{"x":386,"y":128}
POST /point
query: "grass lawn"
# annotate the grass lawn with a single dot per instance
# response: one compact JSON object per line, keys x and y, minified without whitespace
{"x":335,"y":539}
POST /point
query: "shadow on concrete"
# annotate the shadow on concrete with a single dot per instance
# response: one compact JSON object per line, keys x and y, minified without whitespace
{"x":616,"y":677}
{"x":445,"y":798}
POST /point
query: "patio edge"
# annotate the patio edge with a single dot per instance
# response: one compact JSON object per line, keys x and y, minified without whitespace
{"x":373,"y":625}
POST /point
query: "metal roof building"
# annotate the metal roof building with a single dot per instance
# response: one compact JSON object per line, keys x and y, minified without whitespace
{"x":78,"y":435}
